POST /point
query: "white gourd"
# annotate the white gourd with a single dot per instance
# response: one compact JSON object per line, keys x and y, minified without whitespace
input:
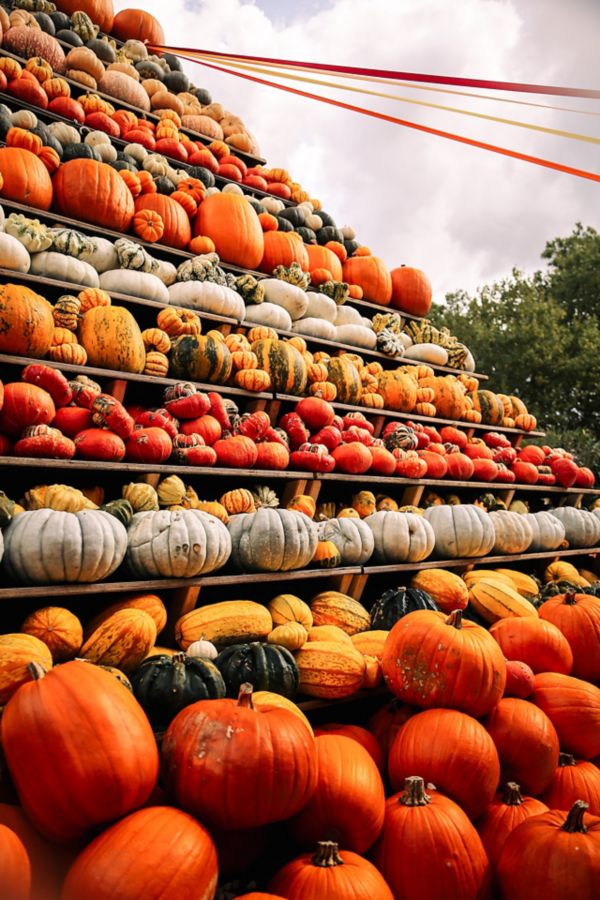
{"x":136,"y":151}
{"x":136,"y":284}
{"x":176,"y":544}
{"x":166,"y":271}
{"x":321,"y":307}
{"x":13,"y":255}
{"x":103,"y":257}
{"x":357,"y":335}
{"x":314,"y":221}
{"x":64,"y":134}
{"x":469,"y":363}
{"x":348,"y":232}
{"x":212,"y":190}
{"x":354,"y":539}
{"x":427,"y":353}
{"x":269,"y":314}
{"x":514,"y":533}
{"x":207,"y":296}
{"x":272,"y":205}
{"x":289,"y":296}
{"x":582,"y":528}
{"x":64,"y":268}
{"x":319,"y":328}
{"x":156,"y":164}
{"x":400,"y":537}
{"x":24,"y":118}
{"x":272,"y":540}
{"x":461,"y":531}
{"x":366,"y":322}
{"x":548,"y":531}
{"x":232,"y":189}
{"x":347,"y":315}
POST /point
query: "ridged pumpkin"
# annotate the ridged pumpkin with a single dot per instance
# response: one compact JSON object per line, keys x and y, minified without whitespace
{"x":489,"y":405}
{"x":348,"y":802}
{"x":123,"y":640}
{"x":573,"y":707}
{"x":264,"y":666}
{"x":163,"y":685}
{"x":535,"y":642}
{"x":58,"y":629}
{"x":359,"y":734}
{"x":283,"y":363}
{"x":411,"y":291}
{"x":137,"y":25}
{"x":328,"y":872}
{"x":372,"y":275}
{"x":506,"y":811}
{"x":231,"y":222}
{"x":112,"y":339}
{"x":229,"y":622}
{"x":148,"y":603}
{"x":330,"y":670}
{"x":154,"y":852}
{"x":283,"y":248}
{"x":574,"y":780}
{"x":285,"y":608}
{"x":16,"y":652}
{"x":346,"y":378}
{"x":447,"y":590}
{"x":26,"y":322}
{"x":177,"y":231}
{"x":449,"y":397}
{"x":578,"y":618}
{"x":201,"y":357}
{"x":44,"y":750}
{"x":323,"y":258}
{"x":431,"y":660}
{"x":493,"y":601}
{"x":335,"y":608}
{"x":399,"y":391}
{"x":25,"y":178}
{"x":93,"y":192}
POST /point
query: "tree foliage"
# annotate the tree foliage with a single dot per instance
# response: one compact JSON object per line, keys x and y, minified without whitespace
{"x":538,"y":336}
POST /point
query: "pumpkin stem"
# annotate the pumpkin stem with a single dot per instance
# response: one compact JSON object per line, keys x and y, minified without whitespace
{"x":511,"y":795}
{"x":414,"y":792}
{"x":570,"y":596}
{"x":179,"y":657}
{"x":566,"y":759}
{"x":574,"y":821}
{"x":245,"y":695}
{"x":455,"y":619}
{"x":36,"y":671}
{"x":326,"y":855}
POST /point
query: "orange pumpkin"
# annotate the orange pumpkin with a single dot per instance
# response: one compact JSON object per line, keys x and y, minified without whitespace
{"x":411,"y":291}
{"x":101,"y":12}
{"x":138,"y":25}
{"x":26,"y":322}
{"x":93,"y":192}
{"x":323,"y":258}
{"x":148,"y":225}
{"x":372,"y":275}
{"x":25,"y":178}
{"x":177,"y":230}
{"x":282,"y":248}
{"x":233,"y":225}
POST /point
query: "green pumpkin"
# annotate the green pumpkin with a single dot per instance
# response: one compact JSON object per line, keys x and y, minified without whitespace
{"x":132,"y":255}
{"x":396,"y":603}
{"x":163,"y":685}
{"x":250,"y":289}
{"x":490,"y":502}
{"x":201,"y":358}
{"x":489,"y":405}
{"x":339,"y":291}
{"x":71,"y":243}
{"x":344,"y":375}
{"x":285,"y":365}
{"x":121,"y":510}
{"x":267,"y":667}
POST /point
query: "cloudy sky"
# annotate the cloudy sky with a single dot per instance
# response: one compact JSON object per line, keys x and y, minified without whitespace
{"x":465,"y":216}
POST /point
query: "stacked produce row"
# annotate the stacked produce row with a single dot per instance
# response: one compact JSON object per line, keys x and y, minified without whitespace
{"x":210,"y":391}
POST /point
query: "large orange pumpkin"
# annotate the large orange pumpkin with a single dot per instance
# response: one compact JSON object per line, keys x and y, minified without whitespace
{"x":449,"y":396}
{"x":324,"y":258}
{"x":372,"y":275}
{"x":535,"y":642}
{"x":573,"y":707}
{"x":93,"y":192}
{"x":74,"y":772}
{"x":154,"y":852}
{"x":507,"y":810}
{"x":15,"y":869}
{"x":26,"y":323}
{"x":49,"y":863}
{"x":138,"y":25}
{"x":231,"y":222}
{"x":411,"y":291}
{"x":101,"y":12}
{"x":329,"y":874}
{"x":25,"y":178}
{"x":177,"y":229}
{"x":578,"y":618}
{"x":282,"y":249}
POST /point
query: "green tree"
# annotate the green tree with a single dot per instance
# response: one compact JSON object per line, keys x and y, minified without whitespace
{"x":538,"y":336}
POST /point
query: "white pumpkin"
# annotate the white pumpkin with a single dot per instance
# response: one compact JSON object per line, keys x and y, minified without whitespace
{"x":469,"y":363}
{"x":357,"y":335}
{"x":461,"y":532}
{"x":103,"y":257}
{"x":400,"y":536}
{"x":100,"y":141}
{"x":353,"y":538}
{"x":348,"y":232}
{"x":291,"y":297}
{"x":347,"y":315}
{"x":45,"y":546}
{"x":176,"y":544}
{"x":13,"y":254}
{"x":514,"y":533}
{"x":272,"y":540}
{"x":64,"y":268}
{"x":319,"y":328}
{"x":321,"y":307}
{"x":548,"y":531}
{"x":156,"y":164}
{"x":64,"y":134}
{"x":24,"y":118}
{"x":166,"y":271}
{"x":135,"y":284}
{"x":272,"y":205}
{"x":269,"y":314}
{"x":232,"y":188}
{"x":136,"y":151}
{"x":582,"y":528}
{"x":209,"y":297}
{"x":212,"y":190}
{"x":427,"y":353}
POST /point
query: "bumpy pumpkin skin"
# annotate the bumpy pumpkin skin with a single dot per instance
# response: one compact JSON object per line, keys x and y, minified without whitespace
{"x":112,"y":339}
{"x":26,"y":322}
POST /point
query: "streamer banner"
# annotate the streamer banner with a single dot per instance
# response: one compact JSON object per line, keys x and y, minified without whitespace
{"x":390,"y":73}
{"x":195,"y":56}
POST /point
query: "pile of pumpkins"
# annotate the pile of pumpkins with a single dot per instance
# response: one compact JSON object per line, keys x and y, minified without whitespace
{"x":524,"y":691}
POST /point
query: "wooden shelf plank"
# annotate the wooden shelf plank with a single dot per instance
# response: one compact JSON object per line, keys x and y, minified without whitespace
{"x":485,"y":560}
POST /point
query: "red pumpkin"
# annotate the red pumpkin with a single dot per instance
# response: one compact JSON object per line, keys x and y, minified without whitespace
{"x":506,"y":811}
{"x":452,"y":751}
{"x":573,"y":707}
{"x":100,"y":444}
{"x":49,"y":863}
{"x":452,"y":435}
{"x":138,"y":25}
{"x":206,"y":426}
{"x":534,"y":641}
{"x":72,"y":419}
{"x":578,"y":618}
{"x":148,"y":445}
{"x":354,"y":458}
{"x":154,"y":852}
{"x":15,"y":868}
{"x":423,"y":831}
{"x":476,"y":449}
{"x":484,"y":469}
{"x":25,"y":405}
{"x":525,"y":472}
{"x":432,"y":660}
{"x":574,"y":780}
{"x":99,"y":121}
{"x":409,"y":464}
{"x":272,"y":455}
{"x":411,"y":291}
{"x":387,"y":722}
{"x":237,"y":452}
{"x":251,"y":744}
{"x":565,"y":471}
{"x":532,"y":454}
{"x":177,"y":229}
{"x":282,"y":248}
{"x":68,"y":108}
{"x":519,"y":679}
{"x":523,"y":733}
{"x":382,"y":461}
{"x":315,"y":412}
{"x":28,"y":89}
{"x":328,"y":874}
{"x":365,"y":738}
{"x":349,"y":800}
{"x":51,"y":380}
{"x":437,"y":467}
{"x":75,"y":773}
{"x":156,"y":418}
{"x":460,"y":467}
{"x":42,"y":441}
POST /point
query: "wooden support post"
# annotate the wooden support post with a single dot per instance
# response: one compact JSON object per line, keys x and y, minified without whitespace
{"x":518,"y":441}
{"x":274,"y":409}
{"x":411,"y":496}
{"x":183,"y":600}
{"x":378,"y":423}
{"x":507,"y":496}
{"x":357,"y":586}
{"x":152,"y":479}
{"x":116,"y":389}
{"x":297,"y":486}
{"x":313,"y":488}
{"x":341,"y":583}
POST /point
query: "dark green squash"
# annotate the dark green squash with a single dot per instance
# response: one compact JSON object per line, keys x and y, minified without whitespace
{"x":326,"y":219}
{"x":149,"y":69}
{"x":45,"y":22}
{"x":61,"y":20}
{"x":176,"y":82}
{"x":163,"y":685}
{"x":396,"y":603}
{"x":256,"y":206}
{"x":80,"y":151}
{"x":119,"y":165}
{"x":202,"y":94}
{"x":202,"y":174}
{"x":285,"y":365}
{"x":48,"y":138}
{"x":284,"y":224}
{"x":329,"y":233}
{"x":200,"y":358}
{"x":121,"y":510}
{"x":470,"y":614}
{"x":307,"y":235}
{"x":173,"y":62}
{"x":295,"y":215}
{"x":351,"y":246}
{"x":68,"y":36}
{"x":103,"y":50}
{"x":5,"y":126}
{"x":164,"y":185}
{"x":553,"y":588}
{"x":125,"y":157}
{"x":267,"y":667}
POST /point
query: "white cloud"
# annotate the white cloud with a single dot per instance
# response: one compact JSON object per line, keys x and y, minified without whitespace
{"x":463,"y":215}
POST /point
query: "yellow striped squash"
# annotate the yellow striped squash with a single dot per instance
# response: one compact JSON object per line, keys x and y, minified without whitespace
{"x":447,"y":589}
{"x":335,"y":608}
{"x":229,"y":622}
{"x":493,"y":601}
{"x":370,"y":643}
{"x":122,"y":641}
{"x":329,"y":633}
{"x":330,"y":669}
{"x":286,"y":608}
{"x":523,"y":584}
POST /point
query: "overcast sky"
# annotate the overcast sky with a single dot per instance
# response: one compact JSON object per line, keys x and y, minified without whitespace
{"x":465,"y":216}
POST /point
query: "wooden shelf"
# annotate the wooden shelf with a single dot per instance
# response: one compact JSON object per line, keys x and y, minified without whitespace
{"x":443,"y":483}
{"x":19,"y":592}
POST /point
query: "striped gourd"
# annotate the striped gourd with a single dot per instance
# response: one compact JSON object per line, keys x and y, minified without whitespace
{"x":149,"y":603}
{"x":524,"y":584}
{"x":200,"y":357}
{"x":370,"y":643}
{"x":493,"y":601}
{"x":346,"y":378}
{"x":285,"y":608}
{"x":335,"y":608}
{"x":229,"y":622}
{"x":471,"y":578}
{"x":489,"y":405}
{"x":329,"y":669}
{"x":284,"y":363}
{"x":328,"y":633}
{"x":123,"y":640}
